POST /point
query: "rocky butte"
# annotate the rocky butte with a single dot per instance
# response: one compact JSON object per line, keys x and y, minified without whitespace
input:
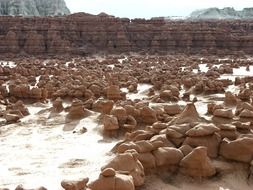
{"x":84,"y":34}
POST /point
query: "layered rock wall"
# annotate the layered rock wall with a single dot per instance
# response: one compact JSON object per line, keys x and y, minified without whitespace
{"x":88,"y":34}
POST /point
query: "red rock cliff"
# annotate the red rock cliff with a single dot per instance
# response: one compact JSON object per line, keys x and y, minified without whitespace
{"x":84,"y":34}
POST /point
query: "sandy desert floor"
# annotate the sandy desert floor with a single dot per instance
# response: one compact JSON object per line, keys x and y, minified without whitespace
{"x":44,"y":148}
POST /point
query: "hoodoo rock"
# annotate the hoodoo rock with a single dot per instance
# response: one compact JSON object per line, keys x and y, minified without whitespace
{"x":188,"y":115}
{"x":197,"y":164}
{"x":109,"y":179}
{"x":128,"y":162}
{"x":148,"y":115}
{"x":113,"y":93}
{"x":110,"y":123}
{"x":57,"y":105}
{"x":240,"y":149}
{"x":77,"y":111}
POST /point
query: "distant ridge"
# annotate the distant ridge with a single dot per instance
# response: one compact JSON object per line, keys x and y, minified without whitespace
{"x":33,"y":8}
{"x":220,"y":14}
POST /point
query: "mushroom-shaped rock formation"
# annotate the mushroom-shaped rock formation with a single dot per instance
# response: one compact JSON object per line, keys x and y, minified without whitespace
{"x":110,"y":122}
{"x":230,"y":99}
{"x":148,"y":115}
{"x":109,"y":179}
{"x":57,"y":105}
{"x":128,"y":162}
{"x":77,"y":111}
{"x":121,"y":114}
{"x":113,"y":93}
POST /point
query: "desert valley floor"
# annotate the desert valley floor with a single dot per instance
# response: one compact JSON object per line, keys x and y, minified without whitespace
{"x":127,"y":122}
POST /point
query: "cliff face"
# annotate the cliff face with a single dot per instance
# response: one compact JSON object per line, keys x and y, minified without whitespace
{"x":33,"y":7}
{"x":85,"y":34}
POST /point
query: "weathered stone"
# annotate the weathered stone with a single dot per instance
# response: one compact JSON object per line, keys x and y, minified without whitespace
{"x":197,"y":163}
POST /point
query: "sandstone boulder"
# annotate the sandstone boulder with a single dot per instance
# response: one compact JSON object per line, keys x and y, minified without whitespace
{"x":230,"y":99}
{"x":202,"y":130}
{"x":148,"y":115}
{"x":240,"y":149}
{"x":57,"y":105}
{"x":147,"y":160}
{"x":110,"y":180}
{"x":121,"y":114}
{"x":246,"y":114}
{"x":197,"y":164}
{"x":75,"y":185}
{"x":128,"y":162}
{"x":228,"y":131}
{"x":189,"y":115}
{"x":224,"y":113}
{"x":172,"y":109}
{"x":110,"y":123}
{"x":12,"y":118}
{"x":167,"y":156}
{"x":103,"y":106}
{"x":211,"y":142}
{"x":77,"y":111}
{"x":113,"y":93}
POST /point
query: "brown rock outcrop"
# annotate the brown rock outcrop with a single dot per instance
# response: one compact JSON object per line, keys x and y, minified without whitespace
{"x":75,"y":185}
{"x":77,"y":111}
{"x":35,"y":35}
{"x":128,"y":162}
{"x":109,"y":179}
{"x":240,"y":149}
{"x":197,"y":163}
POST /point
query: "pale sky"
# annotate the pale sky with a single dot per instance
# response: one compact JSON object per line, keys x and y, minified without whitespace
{"x":151,"y":8}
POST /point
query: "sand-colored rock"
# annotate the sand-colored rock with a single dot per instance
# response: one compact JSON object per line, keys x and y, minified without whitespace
{"x":240,"y":149}
{"x":121,"y":115}
{"x":112,"y":182}
{"x":103,"y":106}
{"x":188,"y":115}
{"x":75,"y":185}
{"x":77,"y":111}
{"x":57,"y":105}
{"x":224,"y":113}
{"x":148,"y":115}
{"x":202,"y":130}
{"x":128,"y":162}
{"x":172,"y":109}
{"x":167,"y":156}
{"x":211,"y":142}
{"x":197,"y":163}
{"x":110,"y":122}
{"x":113,"y":93}
{"x":246,"y":114}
